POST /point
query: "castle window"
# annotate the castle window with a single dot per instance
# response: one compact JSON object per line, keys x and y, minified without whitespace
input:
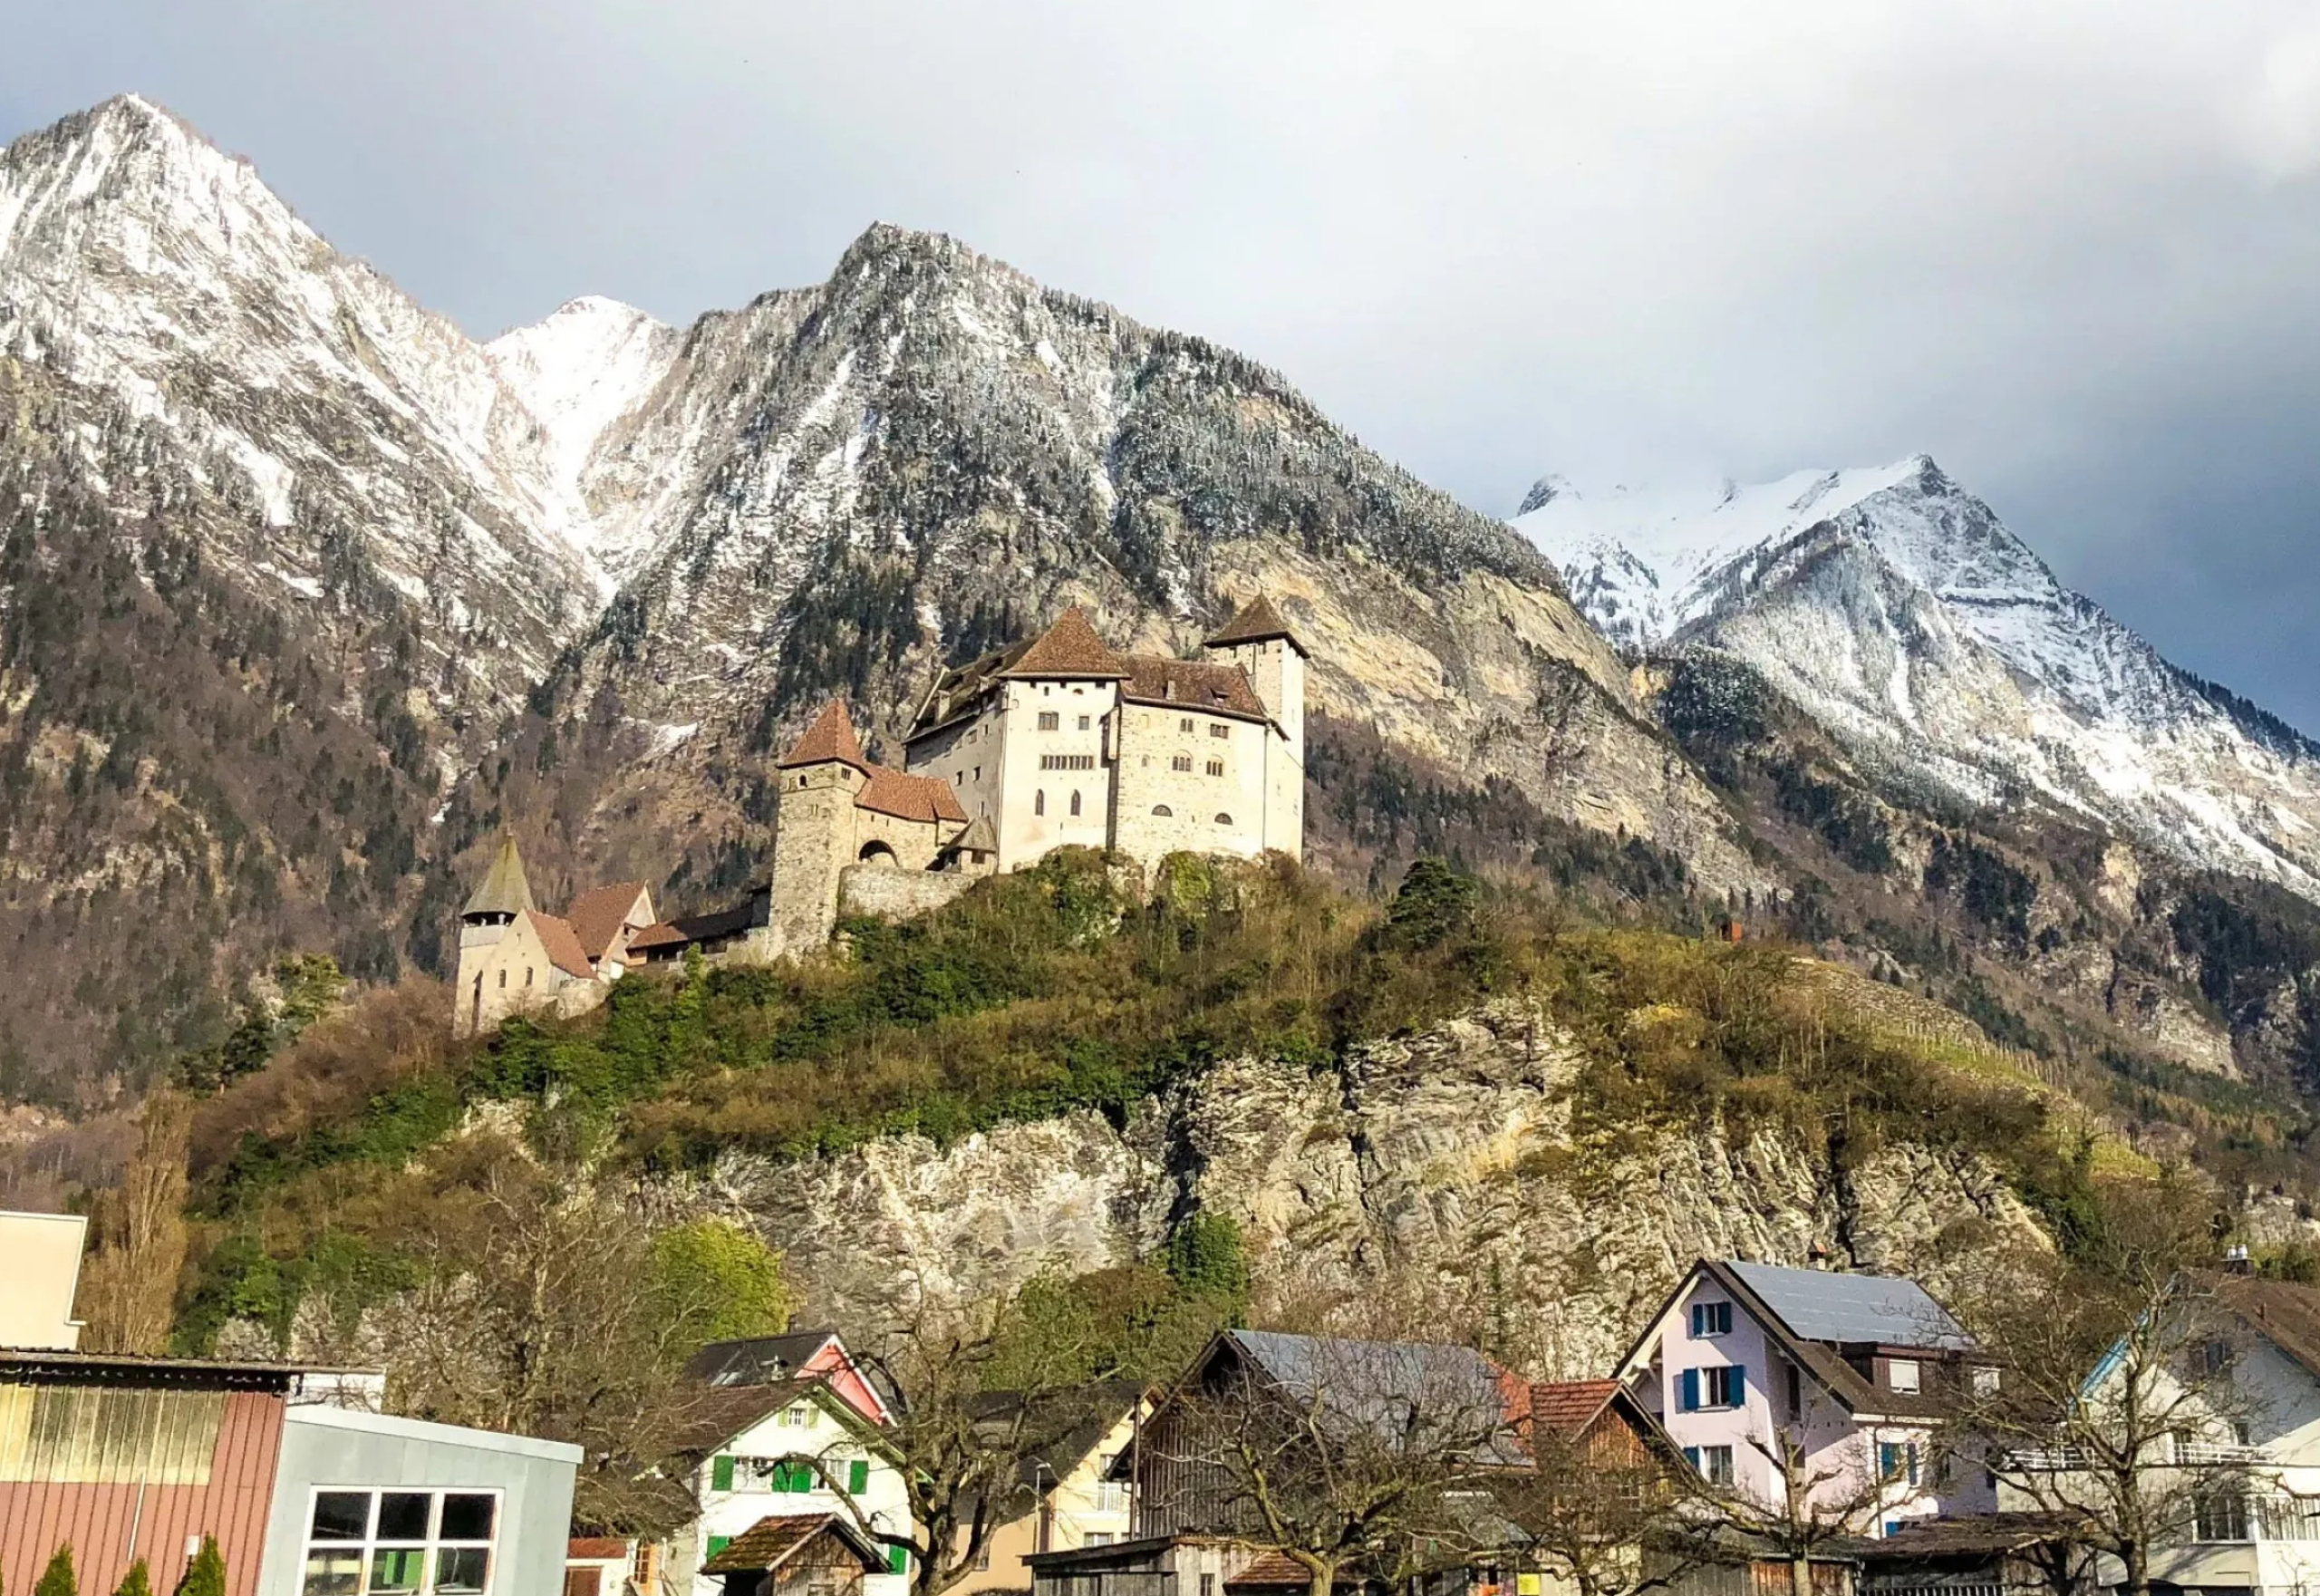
{"x":503,"y":981}
{"x":1224,"y":819}
{"x":1163,"y":811}
{"x":1067,"y":762}
{"x":1083,"y":722}
{"x":1040,"y":802}
{"x":527,"y":975}
{"x":1219,"y":728}
{"x":1181,"y":762}
{"x":1075,"y":803}
{"x":1049,"y":720}
{"x":1216,"y":766}
{"x":1187,"y":723}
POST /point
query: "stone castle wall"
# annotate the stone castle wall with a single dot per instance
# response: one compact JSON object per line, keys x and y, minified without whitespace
{"x":896,"y":893}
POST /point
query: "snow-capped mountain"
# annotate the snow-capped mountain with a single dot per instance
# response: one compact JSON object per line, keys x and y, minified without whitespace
{"x":1899,"y":611}
{"x":296,"y":413}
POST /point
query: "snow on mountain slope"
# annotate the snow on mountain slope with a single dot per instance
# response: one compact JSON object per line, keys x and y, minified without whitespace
{"x":1899,"y":611}
{"x":315,"y":428}
{"x":578,"y":372}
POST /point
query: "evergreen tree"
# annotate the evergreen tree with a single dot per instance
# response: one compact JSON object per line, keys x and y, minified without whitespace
{"x":206,"y":1574}
{"x":136,"y":1581}
{"x":58,"y":1578}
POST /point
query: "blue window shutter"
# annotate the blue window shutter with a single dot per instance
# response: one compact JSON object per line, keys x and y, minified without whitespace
{"x":1739,"y":1386}
{"x":1689,"y":1400}
{"x":1913,"y":1463}
{"x":1692,"y":1456}
{"x":1699,"y":1320}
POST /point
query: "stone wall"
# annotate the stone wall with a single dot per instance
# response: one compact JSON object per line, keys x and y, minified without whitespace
{"x":1152,"y":738}
{"x":896,"y":893}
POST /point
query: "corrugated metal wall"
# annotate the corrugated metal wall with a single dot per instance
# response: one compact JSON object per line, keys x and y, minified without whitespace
{"x":114,"y":1517}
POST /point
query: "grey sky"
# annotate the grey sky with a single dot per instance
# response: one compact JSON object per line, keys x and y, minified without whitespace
{"x":2072,"y":249}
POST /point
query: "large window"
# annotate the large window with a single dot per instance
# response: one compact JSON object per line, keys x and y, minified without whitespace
{"x":400,"y":1543}
{"x":2221,"y":1515}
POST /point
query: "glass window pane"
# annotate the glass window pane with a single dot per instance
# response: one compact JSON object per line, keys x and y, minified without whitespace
{"x":334,"y":1573}
{"x":465,"y":1518}
{"x":402,"y":1515}
{"x":397,"y":1568}
{"x":341,"y":1515}
{"x":459,"y":1570}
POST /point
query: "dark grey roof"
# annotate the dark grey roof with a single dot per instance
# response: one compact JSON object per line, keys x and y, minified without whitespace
{"x":1382,"y":1384}
{"x":1820,"y":1305}
{"x":761,"y":1360}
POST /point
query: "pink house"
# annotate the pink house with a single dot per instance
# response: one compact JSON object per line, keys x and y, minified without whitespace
{"x":1765,"y":1375}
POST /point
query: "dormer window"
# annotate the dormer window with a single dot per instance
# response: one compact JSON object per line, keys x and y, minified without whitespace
{"x":1711,"y":1319}
{"x":1903,"y":1375}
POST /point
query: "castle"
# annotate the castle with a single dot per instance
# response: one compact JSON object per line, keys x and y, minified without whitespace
{"x":1053,"y":742}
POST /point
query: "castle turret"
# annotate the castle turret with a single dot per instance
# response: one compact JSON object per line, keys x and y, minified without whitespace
{"x":504,"y":892}
{"x":813,"y":838}
{"x":1259,"y":641}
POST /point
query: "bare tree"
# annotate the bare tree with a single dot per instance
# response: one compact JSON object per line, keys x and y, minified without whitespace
{"x":1817,"y":1498}
{"x":1367,"y":1458}
{"x":2114,"y":1410}
{"x":129,"y":1287}
{"x":986,"y":1401}
{"x":1604,"y":1514}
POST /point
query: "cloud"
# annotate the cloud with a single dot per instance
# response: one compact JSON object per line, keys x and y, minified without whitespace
{"x":2070,"y":248}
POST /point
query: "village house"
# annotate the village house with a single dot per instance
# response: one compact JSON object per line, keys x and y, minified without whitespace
{"x":794,"y":1355}
{"x":1747,"y":1364}
{"x":307,"y":1490}
{"x":788,"y":1448}
{"x":1070,"y":1498}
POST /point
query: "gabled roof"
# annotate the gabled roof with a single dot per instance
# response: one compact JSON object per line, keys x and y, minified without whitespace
{"x":1069,"y":648}
{"x":504,"y":889}
{"x":830,"y":739}
{"x":562,"y":944}
{"x":769,"y":1544}
{"x":718,"y":1415}
{"x":926,"y":799}
{"x":1255,"y":621}
{"x":1199,"y":685}
{"x":1380,"y":1383}
{"x":979,"y":837}
{"x":758,"y":1361}
{"x":1822,"y":1305}
{"x":2286,"y":1315}
{"x":1568,"y":1407}
{"x":1818,"y":1357}
{"x":597,"y":916}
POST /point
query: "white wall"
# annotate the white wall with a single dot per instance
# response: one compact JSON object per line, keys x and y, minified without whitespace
{"x":730,"y":1513}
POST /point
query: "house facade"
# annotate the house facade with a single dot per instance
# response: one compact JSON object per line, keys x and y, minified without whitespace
{"x":40,"y":1255}
{"x":128,"y":1458}
{"x":1763,"y":1374}
{"x":791,"y":1448}
{"x":1076,"y":1498}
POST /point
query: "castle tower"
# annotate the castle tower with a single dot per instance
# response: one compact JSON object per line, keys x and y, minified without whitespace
{"x":504,"y":892}
{"x":1260,"y":642}
{"x":814,"y":826}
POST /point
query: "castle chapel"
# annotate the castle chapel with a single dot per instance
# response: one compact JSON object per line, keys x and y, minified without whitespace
{"x":1054,"y":742}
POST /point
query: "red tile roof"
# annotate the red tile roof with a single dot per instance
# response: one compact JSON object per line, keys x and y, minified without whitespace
{"x":909,"y":797}
{"x":595,"y":1548}
{"x":1569,"y":1406}
{"x":1068,"y":648}
{"x":1256,"y":622}
{"x":829,"y":738}
{"x":656,"y":936}
{"x":1192,"y":684}
{"x":562,"y":944}
{"x":597,"y":916}
{"x":1271,"y":1571}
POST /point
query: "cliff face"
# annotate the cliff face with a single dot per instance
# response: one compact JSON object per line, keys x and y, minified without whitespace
{"x":1439,"y":1179}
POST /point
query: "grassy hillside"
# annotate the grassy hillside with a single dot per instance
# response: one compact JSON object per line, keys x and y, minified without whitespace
{"x":314,"y":1179}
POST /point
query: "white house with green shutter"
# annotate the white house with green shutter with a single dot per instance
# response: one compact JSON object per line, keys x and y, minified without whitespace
{"x":780,"y":1450}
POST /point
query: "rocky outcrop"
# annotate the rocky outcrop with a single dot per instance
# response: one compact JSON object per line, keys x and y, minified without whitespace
{"x":1438,"y":1180}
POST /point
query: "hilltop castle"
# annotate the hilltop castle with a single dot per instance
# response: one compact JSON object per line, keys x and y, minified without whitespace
{"x":1053,"y":742}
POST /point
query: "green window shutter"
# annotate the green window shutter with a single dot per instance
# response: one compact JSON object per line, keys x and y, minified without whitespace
{"x":802,"y":1477}
{"x":898,"y":1559}
{"x":720,"y":1473}
{"x":718,"y":1542}
{"x":857,"y":1477}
